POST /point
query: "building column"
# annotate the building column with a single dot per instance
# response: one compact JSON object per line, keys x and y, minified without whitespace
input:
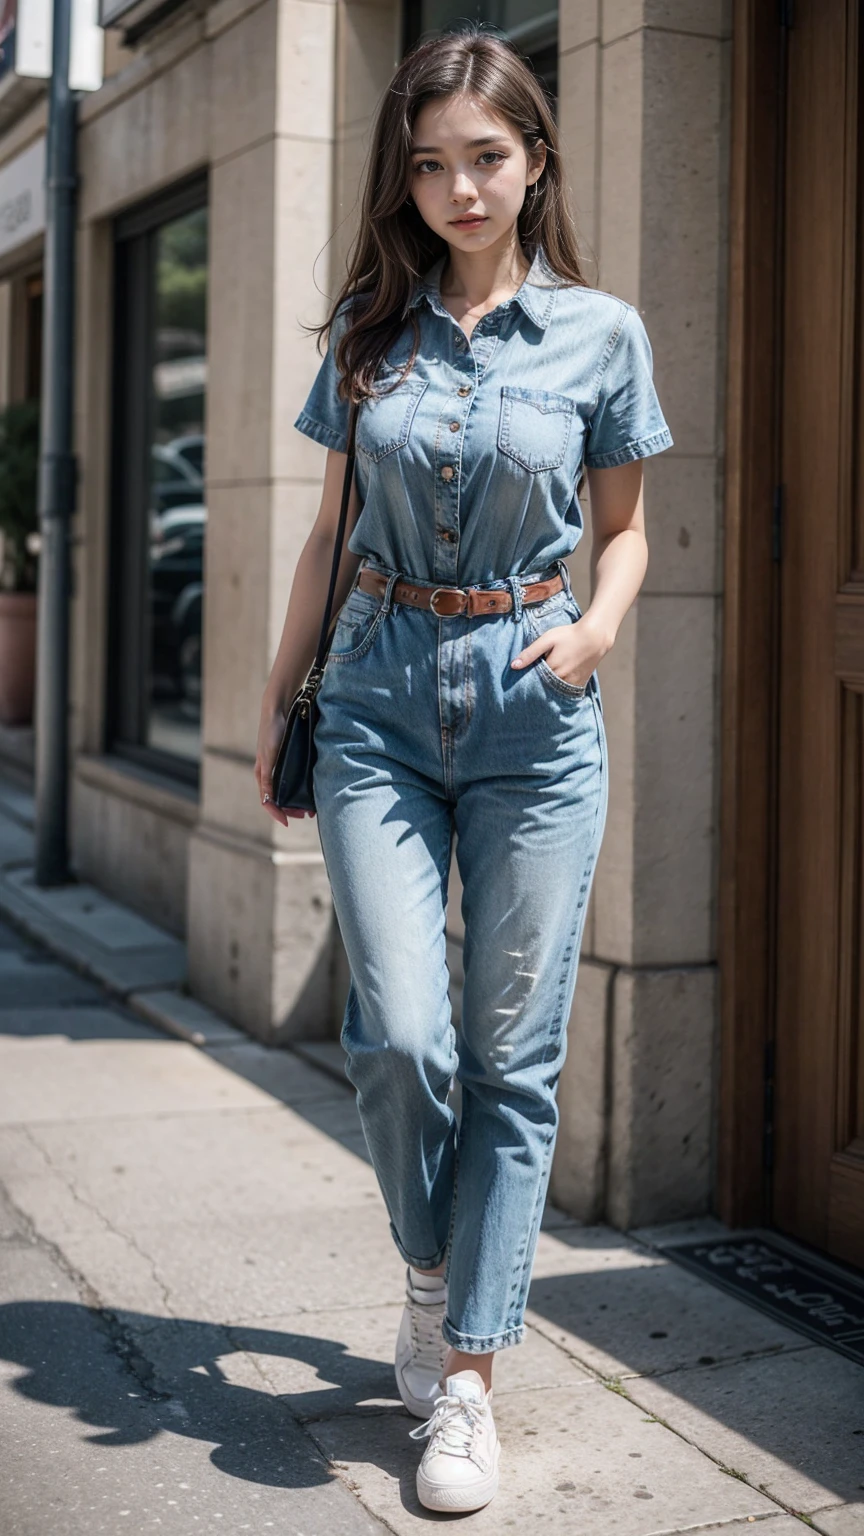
{"x":644,"y":114}
{"x":263,"y":944}
{"x":261,"y":930}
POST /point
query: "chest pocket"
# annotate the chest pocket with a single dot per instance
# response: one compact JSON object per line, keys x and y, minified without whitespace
{"x":534,"y":427}
{"x":384,"y":423}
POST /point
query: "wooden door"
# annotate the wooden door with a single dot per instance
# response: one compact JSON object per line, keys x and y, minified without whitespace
{"x":818,"y":1177}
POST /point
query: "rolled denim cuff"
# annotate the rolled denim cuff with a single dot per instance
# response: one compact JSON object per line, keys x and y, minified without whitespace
{"x":412,"y":1259}
{"x":471,"y":1344}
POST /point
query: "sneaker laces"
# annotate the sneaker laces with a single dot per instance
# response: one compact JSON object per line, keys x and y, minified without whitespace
{"x":452,"y":1426}
{"x":426,"y":1337}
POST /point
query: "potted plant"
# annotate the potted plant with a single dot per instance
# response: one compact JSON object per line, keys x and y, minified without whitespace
{"x":19,"y":526}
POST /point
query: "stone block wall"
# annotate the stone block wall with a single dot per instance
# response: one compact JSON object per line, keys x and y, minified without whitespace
{"x":644,"y":116}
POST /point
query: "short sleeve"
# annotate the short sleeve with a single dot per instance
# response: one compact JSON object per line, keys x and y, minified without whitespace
{"x":324,"y":417}
{"x":627,"y":422}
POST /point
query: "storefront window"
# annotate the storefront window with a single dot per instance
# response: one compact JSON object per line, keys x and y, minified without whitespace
{"x":530,"y":24}
{"x":160,"y":510}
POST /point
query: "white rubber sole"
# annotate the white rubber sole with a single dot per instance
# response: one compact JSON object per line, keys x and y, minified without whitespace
{"x":450,"y":1497}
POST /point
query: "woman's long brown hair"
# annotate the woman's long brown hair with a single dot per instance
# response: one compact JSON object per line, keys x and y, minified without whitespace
{"x":394,"y":246}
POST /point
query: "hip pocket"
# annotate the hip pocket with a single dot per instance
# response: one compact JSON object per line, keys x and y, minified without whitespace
{"x":537,"y":618}
{"x":356,"y":627}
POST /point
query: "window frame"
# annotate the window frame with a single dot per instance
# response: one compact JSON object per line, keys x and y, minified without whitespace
{"x":127,"y":659}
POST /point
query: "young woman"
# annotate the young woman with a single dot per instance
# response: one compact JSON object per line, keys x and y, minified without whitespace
{"x":460,"y":695}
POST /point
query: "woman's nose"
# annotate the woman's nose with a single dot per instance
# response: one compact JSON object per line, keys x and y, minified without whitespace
{"x":463,"y":188}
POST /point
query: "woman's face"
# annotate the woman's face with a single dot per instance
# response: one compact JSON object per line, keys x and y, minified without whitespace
{"x":471,"y":171}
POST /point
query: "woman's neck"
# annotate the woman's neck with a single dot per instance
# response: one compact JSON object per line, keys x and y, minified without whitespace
{"x":473,"y":283}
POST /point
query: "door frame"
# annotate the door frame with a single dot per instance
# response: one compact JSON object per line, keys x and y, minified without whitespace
{"x":748,"y":833}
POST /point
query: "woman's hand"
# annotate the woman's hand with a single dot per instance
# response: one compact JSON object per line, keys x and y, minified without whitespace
{"x":571,"y":650}
{"x":270,"y":732}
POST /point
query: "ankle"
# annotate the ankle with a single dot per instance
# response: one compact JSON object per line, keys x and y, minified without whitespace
{"x":456,"y":1361}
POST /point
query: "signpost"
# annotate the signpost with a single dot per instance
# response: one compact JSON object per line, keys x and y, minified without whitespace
{"x":67,"y":34}
{"x":56,"y":468}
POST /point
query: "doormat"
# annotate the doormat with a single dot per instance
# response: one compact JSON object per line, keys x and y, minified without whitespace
{"x":814,"y":1296}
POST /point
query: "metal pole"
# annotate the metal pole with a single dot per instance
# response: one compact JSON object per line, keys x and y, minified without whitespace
{"x":56,"y":468}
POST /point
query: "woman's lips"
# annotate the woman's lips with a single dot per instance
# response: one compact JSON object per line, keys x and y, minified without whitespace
{"x":469,"y":221}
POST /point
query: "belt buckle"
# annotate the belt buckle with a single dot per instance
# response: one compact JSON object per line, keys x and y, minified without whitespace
{"x":432,"y":596}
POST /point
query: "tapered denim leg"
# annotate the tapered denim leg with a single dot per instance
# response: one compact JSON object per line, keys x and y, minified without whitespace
{"x":390,"y":874}
{"x":424,"y":726}
{"x":526,"y":873}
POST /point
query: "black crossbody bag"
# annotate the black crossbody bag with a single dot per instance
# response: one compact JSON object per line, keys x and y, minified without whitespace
{"x":295,"y":759}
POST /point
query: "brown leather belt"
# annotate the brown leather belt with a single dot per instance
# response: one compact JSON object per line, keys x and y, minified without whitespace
{"x":449,"y":602}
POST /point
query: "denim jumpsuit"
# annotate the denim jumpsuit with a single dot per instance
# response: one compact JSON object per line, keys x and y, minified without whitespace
{"x":467,"y":475}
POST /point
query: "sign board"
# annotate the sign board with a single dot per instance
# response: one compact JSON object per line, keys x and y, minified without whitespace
{"x":87,"y":52}
{"x":22,"y":197}
{"x":33,"y":27}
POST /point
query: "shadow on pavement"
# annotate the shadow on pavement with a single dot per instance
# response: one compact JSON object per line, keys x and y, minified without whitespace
{"x":132,"y":1377}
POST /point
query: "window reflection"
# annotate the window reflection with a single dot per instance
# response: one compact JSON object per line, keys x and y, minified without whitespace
{"x":177,"y":513}
{"x":531,"y":24}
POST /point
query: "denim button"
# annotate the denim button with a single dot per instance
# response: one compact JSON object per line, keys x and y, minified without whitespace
{"x":454,"y":426}
{"x":447,"y":472}
{"x":464,"y":390}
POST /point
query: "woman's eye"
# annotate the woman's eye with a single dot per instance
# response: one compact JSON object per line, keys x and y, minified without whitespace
{"x":428,"y":167}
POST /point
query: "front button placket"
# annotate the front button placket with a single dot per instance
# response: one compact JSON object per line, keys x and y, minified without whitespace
{"x":469,"y":360}
{"x":448,"y":453}
{"x":484,"y":340}
{"x":470,"y":357}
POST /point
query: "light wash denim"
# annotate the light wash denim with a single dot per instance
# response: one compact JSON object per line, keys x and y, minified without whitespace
{"x":425,"y":730}
{"x":467,"y":474}
{"x":468,"y":470}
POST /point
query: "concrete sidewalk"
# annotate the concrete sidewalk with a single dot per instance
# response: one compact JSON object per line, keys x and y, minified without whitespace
{"x":199,"y":1298}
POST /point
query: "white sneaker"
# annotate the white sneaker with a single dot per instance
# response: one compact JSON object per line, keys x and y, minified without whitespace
{"x":421,"y":1347}
{"x":459,"y":1470}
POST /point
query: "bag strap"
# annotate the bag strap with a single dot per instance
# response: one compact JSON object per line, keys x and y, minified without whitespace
{"x":347,"y":483}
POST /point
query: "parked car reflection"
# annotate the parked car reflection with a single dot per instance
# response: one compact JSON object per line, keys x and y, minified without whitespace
{"x":191,"y":450}
{"x":174,"y":480}
{"x":176,"y":600}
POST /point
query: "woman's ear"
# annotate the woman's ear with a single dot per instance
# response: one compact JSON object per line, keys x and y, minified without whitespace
{"x":536,"y":163}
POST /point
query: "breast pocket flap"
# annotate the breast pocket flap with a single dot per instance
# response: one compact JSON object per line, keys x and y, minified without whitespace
{"x":534,"y":427}
{"x":384,"y":422}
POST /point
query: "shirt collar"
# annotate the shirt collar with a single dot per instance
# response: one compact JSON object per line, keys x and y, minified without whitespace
{"x":536,"y":296}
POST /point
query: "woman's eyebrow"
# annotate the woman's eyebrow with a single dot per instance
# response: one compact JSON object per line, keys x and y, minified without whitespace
{"x":435,"y":149}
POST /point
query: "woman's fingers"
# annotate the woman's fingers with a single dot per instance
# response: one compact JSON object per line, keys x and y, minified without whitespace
{"x":269,"y":804}
{"x":564,"y":653}
{"x":537,"y":648}
{"x":264,"y":780}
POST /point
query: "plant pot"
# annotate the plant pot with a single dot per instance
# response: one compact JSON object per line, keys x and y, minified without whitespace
{"x":17,"y":657}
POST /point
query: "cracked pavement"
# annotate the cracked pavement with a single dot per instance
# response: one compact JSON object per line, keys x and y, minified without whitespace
{"x":199,"y":1298}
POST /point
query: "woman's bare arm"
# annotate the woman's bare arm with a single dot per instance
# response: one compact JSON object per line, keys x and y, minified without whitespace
{"x":303,"y":616}
{"x":619,"y":550}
